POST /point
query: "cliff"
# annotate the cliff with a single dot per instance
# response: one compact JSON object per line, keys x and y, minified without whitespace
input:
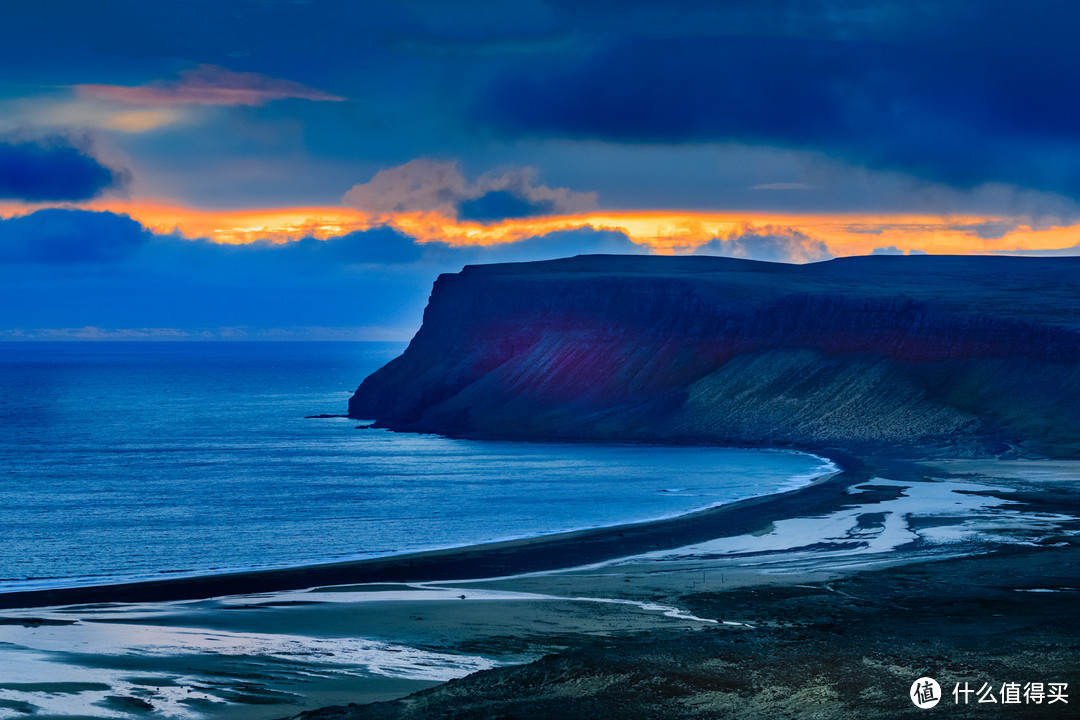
{"x":948,"y":355}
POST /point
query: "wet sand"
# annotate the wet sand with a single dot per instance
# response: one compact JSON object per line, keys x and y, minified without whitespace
{"x":799,"y":605}
{"x":849,"y":648}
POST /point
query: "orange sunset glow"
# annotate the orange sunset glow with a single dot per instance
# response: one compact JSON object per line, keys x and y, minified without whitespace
{"x":663,"y":231}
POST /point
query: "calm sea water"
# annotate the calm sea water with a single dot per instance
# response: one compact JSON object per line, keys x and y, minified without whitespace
{"x":127,"y":460}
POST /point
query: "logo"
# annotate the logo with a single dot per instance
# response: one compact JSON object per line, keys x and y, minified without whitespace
{"x":925,"y":693}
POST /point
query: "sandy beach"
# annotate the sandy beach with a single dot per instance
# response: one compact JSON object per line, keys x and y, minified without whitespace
{"x":813,"y":603}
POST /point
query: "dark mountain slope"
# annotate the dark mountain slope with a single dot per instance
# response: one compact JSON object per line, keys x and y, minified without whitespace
{"x":949,"y":355}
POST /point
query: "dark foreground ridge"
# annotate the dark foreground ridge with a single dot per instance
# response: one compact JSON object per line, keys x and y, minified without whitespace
{"x":922,"y":355}
{"x":822,"y":651}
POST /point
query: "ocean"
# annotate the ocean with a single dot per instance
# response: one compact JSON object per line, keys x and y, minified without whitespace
{"x":129,"y":460}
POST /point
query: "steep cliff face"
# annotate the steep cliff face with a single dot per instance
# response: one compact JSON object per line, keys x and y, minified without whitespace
{"x":944,"y":354}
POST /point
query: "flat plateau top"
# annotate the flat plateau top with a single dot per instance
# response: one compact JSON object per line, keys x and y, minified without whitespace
{"x":1041,"y":290}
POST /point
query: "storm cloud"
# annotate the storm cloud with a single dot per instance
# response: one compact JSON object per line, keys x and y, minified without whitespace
{"x":958,"y":115}
{"x":71,"y":269}
{"x":70,"y":237}
{"x":53,"y":169}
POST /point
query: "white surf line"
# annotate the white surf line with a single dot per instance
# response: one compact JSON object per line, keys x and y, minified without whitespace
{"x":668,"y":610}
{"x":1045,"y":590}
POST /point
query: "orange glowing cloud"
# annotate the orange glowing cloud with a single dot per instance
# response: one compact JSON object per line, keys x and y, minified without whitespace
{"x":662,"y":231}
{"x":207,"y":85}
{"x":239,"y":226}
{"x":673,"y":231}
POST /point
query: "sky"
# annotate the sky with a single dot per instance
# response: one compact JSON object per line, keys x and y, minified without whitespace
{"x":304,"y":169}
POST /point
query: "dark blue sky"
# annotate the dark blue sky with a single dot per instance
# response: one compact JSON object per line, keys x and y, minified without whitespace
{"x":778,"y":129}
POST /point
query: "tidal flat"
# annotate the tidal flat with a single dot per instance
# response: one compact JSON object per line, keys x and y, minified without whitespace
{"x":827,"y":601}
